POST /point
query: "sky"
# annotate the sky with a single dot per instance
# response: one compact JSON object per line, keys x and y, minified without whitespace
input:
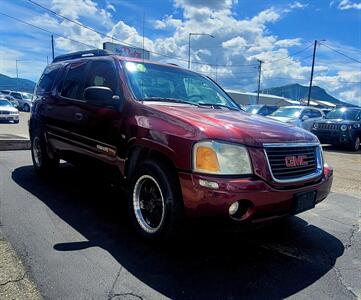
{"x":281,"y":33}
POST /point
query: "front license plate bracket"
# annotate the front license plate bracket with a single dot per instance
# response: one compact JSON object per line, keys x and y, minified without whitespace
{"x":304,"y":201}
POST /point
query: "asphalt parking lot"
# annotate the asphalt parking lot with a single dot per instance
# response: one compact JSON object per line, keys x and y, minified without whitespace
{"x":73,"y":236}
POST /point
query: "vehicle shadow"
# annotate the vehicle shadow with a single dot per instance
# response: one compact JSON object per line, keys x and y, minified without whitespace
{"x":274,"y":262}
{"x":338,"y":149}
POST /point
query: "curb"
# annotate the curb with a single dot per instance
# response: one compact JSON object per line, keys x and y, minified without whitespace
{"x":14,"y":144}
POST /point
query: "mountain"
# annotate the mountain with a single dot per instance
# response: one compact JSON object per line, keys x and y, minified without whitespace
{"x":22,"y":85}
{"x":297,"y":92}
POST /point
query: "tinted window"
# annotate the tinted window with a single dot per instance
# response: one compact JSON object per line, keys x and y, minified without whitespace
{"x":74,"y":80}
{"x":16,"y":95}
{"x":47,"y":79}
{"x":101,"y":73}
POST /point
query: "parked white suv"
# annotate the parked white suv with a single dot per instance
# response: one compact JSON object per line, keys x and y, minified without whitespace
{"x":24,"y":100}
{"x":300,"y":116}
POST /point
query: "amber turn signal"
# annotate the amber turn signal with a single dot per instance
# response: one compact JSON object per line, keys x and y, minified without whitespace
{"x":206,"y":159}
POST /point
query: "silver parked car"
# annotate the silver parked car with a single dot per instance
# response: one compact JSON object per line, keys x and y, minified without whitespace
{"x":300,"y":116}
{"x":8,"y":112}
{"x":24,"y":100}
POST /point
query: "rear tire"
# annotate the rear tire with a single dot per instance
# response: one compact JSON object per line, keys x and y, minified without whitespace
{"x":43,"y":162}
{"x":155,"y":201}
{"x":16,"y":121}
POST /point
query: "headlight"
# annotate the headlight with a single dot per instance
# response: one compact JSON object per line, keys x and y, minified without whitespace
{"x":315,"y":126}
{"x":213,"y":157}
{"x":343,"y":127}
{"x":356,"y":125}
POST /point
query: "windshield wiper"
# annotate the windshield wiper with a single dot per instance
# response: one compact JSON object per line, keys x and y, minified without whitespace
{"x":166,"y":99}
{"x":218,"y":106}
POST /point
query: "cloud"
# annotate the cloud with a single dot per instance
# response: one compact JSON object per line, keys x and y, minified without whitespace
{"x":347,"y":4}
{"x":167,"y":22}
{"x":237,"y":45}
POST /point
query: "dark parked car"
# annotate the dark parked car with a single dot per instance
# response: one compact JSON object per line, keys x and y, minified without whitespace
{"x":341,"y":126}
{"x":260,"y":109}
{"x":182,"y":147}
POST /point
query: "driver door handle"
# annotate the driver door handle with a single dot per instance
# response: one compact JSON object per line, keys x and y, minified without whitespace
{"x":78,"y":116}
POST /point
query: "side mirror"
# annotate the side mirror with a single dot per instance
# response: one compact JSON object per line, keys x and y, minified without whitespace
{"x":100,"y":96}
{"x":304,"y":118}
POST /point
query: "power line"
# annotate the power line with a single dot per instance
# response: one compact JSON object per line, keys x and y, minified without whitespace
{"x":126,"y":43}
{"x":341,"y":53}
{"x":289,"y":56}
{"x":48,"y":31}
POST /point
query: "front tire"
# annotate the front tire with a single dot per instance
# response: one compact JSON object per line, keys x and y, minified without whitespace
{"x":26,"y":107}
{"x":356,"y":144}
{"x":155,"y":201}
{"x":43,"y":162}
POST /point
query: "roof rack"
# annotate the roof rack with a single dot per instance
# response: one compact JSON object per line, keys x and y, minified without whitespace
{"x":80,"y":54}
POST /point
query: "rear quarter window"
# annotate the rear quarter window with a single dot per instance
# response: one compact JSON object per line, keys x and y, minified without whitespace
{"x":47,"y":79}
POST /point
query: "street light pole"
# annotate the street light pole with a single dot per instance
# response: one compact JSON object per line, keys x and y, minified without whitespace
{"x":259,"y":78}
{"x":189,"y":51}
{"x":189,"y":45}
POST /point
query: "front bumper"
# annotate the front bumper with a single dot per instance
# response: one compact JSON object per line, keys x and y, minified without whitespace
{"x":335,"y":137}
{"x":10,"y":117}
{"x":265,"y":201}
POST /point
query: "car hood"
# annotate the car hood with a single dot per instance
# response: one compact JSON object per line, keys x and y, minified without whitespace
{"x":236,"y":126}
{"x":8,"y":108}
{"x":337,"y":121}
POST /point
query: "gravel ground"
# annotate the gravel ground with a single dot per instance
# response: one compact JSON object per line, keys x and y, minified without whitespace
{"x":347,"y":170}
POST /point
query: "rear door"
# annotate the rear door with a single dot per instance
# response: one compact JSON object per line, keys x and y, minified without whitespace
{"x":65,"y":120}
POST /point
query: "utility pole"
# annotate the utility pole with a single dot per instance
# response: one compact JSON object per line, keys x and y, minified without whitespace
{"x":17,"y":76}
{"x":189,"y":51}
{"x":52,"y":45}
{"x":259,"y":78}
{"x":313,"y":66}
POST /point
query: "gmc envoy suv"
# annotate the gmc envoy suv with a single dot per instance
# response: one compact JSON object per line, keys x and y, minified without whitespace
{"x":180,"y":145}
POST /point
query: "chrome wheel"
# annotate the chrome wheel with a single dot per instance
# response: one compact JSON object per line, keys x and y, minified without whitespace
{"x":148,"y":204}
{"x":36,"y":149}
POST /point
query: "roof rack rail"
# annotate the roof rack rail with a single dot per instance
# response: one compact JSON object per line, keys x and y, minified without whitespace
{"x":80,"y":54}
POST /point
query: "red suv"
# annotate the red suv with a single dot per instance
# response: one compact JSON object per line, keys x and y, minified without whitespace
{"x":182,"y":147}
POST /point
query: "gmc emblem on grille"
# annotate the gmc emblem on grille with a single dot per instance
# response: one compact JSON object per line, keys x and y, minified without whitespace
{"x":295,"y":161}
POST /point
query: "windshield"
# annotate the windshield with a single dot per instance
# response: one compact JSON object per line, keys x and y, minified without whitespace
{"x":155,"y":82}
{"x":288,"y":112}
{"x":252,"y":108}
{"x":5,"y":103}
{"x":343,"y":113}
{"x":27,"y":96}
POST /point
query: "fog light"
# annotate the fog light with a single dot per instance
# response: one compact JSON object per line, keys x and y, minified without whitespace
{"x":208,"y":184}
{"x":233,"y":208}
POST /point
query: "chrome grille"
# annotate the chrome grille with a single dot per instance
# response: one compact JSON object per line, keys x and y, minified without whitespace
{"x":295,"y":162}
{"x":4,"y":112}
{"x":327,"y":126}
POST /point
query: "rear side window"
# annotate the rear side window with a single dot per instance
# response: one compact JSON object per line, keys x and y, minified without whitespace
{"x":46,"y":80}
{"x":16,"y":95}
{"x":74,"y":81}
